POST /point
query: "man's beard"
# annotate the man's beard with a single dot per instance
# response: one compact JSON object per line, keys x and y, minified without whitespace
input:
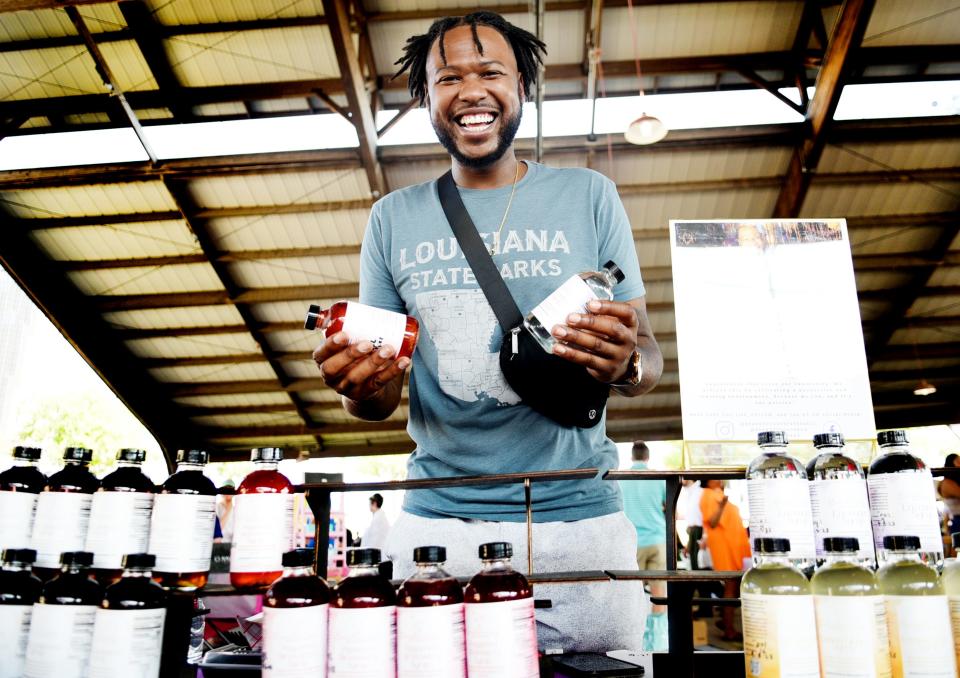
{"x":508,"y":130}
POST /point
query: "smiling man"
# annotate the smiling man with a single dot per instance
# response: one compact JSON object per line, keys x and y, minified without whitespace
{"x":542,"y":226}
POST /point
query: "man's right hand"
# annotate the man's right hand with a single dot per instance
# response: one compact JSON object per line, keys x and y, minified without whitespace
{"x":360,"y":373}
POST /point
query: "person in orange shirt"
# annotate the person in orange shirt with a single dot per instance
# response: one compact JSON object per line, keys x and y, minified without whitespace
{"x":727,"y":542}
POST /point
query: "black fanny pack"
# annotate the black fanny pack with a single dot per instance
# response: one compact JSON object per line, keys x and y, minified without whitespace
{"x":554,"y":387}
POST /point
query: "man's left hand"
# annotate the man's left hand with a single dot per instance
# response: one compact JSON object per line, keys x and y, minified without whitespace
{"x":602,"y":340}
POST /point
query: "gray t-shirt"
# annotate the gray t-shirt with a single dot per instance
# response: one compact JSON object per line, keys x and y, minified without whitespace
{"x":464,"y":417}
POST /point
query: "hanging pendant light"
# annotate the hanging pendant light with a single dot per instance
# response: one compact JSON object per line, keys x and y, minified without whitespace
{"x":924,"y":388}
{"x":646,"y":129}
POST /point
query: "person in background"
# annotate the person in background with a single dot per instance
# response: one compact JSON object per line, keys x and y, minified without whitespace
{"x":949,"y":491}
{"x":375,"y":535}
{"x":223,"y":528}
{"x":727,"y":542}
{"x":690,"y":501}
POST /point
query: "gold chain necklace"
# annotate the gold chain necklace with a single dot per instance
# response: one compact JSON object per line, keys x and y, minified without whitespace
{"x":496,"y":237}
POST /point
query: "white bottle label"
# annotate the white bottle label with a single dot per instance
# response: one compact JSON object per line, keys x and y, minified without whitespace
{"x":181,"y":532}
{"x":61,"y":525}
{"x":501,"y":639}
{"x":780,"y":507}
{"x":14,"y":628}
{"x":363,"y":642}
{"x":119,"y":524}
{"x":954,"y":602}
{"x":904,"y":504}
{"x":17,"y":511}
{"x":59,"y":644}
{"x":295,"y":642}
{"x":921,"y":644}
{"x":779,"y":636}
{"x":379,"y":327}
{"x":127,"y":643}
{"x":852,"y":635}
{"x":262,"y":532}
{"x":571,"y":297}
{"x":430,"y":642}
{"x":840,"y":509}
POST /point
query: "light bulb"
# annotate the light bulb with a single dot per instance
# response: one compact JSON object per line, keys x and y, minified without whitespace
{"x":924,"y":388}
{"x":645,"y":130}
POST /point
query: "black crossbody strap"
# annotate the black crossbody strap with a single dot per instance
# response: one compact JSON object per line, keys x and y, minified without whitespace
{"x":484,"y":270}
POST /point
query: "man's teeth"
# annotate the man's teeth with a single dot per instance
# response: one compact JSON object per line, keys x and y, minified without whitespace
{"x":477,"y":119}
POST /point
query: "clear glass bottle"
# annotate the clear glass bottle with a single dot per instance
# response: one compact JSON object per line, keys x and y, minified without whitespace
{"x":19,"y":590}
{"x":902,"y":499}
{"x":779,"y":496}
{"x":918,"y":616}
{"x":20,"y":485}
{"x":295,"y":612}
{"x":838,"y":498}
{"x":498,"y":614}
{"x":61,"y":628}
{"x":262,"y":523}
{"x":951,"y":586}
{"x":63,"y":511}
{"x":120,"y":516}
{"x":851,"y":617}
{"x":363,"y":620}
{"x":430,"y":633}
{"x":181,"y":528}
{"x":779,"y":623}
{"x":571,"y":297}
{"x":366,"y":323}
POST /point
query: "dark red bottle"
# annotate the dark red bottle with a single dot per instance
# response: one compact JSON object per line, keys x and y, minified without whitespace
{"x":19,"y":590}
{"x":19,"y":487}
{"x":262,"y":522}
{"x":367,"y":323}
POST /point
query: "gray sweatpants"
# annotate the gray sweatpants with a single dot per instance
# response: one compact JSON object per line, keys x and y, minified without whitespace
{"x":583,"y":617}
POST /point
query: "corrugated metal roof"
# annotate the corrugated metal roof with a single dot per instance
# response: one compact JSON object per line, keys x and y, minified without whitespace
{"x":316,"y":229}
{"x":189,"y":316}
{"x":302,"y":271}
{"x":281,"y":189}
{"x":910,"y":198}
{"x":54,"y":23}
{"x":880,"y":156}
{"x":153,"y":280}
{"x":656,"y":211}
{"x":224,"y":373}
{"x":77,"y":201}
{"x":188,"y":346}
{"x":117,"y":241}
{"x":185,"y":12}
{"x":235,"y":400}
{"x":894,"y":22}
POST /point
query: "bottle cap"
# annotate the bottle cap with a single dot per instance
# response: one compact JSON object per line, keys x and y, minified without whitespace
{"x":28,"y":453}
{"x":266,"y":454}
{"x":841,"y":544}
{"x":430,"y":554}
{"x":83,"y":454}
{"x":614,"y":271}
{"x":19,"y":556}
{"x":771,"y":545}
{"x":314,"y":314}
{"x":496,"y":549}
{"x":132,"y":454}
{"x":772,"y":438}
{"x":955,"y":540}
{"x":298,"y":558}
{"x":901,"y":543}
{"x":81,"y":558}
{"x":192,"y":456}
{"x":828,"y":440}
{"x":363,"y":557}
{"x":141,"y":560}
{"x":895,"y":437}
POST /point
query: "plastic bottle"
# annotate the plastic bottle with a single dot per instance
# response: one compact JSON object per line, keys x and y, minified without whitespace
{"x":181,"y":529}
{"x":19,"y":590}
{"x":902,"y":499}
{"x":362,"y":322}
{"x":951,"y":586}
{"x":918,"y":616}
{"x":500,"y":625}
{"x":295,"y":612}
{"x":63,"y":511}
{"x":120,"y":516}
{"x":430,"y":635}
{"x":779,"y":628}
{"x":263,"y":522}
{"x":851,"y":617}
{"x":363,"y":621}
{"x":61,"y":628}
{"x":838,"y":498}
{"x":779,"y":496}
{"x":19,"y":487}
{"x":128,"y":627}
{"x":571,"y":297}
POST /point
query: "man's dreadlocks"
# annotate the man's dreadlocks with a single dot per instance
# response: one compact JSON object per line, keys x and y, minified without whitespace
{"x":528,"y":50}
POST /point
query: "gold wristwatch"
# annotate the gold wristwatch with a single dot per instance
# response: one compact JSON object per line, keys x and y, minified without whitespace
{"x":634,"y":371}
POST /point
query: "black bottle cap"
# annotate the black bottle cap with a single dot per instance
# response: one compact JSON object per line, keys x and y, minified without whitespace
{"x":841,"y":544}
{"x":496,"y":549}
{"x":266,"y":454}
{"x":145,"y":561}
{"x":772,"y":438}
{"x":28,"y":453}
{"x":81,"y":558}
{"x":132,"y":454}
{"x":19,"y":556}
{"x":192,"y":456}
{"x":298,"y":558}
{"x":771,"y":545}
{"x":430,"y":554}
{"x":901,"y":543}
{"x":314,"y":313}
{"x":83,"y":454}
{"x":614,"y":271}
{"x":828,"y":440}
{"x":955,"y":540}
{"x":363,"y":557}
{"x":895,"y":437}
